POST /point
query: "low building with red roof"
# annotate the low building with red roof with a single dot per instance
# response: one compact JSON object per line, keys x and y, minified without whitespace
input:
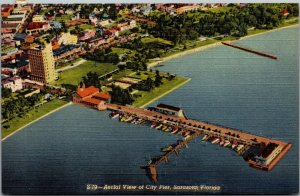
{"x":91,"y":97}
{"x":37,"y":27}
{"x":285,"y":12}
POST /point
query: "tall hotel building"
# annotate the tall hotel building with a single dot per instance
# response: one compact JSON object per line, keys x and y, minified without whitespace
{"x":42,"y":64}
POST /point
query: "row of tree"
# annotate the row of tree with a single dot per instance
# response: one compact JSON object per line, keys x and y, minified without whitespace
{"x":235,"y":22}
{"x":18,"y":106}
{"x":102,"y":56}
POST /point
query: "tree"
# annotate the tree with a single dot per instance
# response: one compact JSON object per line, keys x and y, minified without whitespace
{"x":6,"y":92}
{"x":121,"y":96}
{"x":92,"y":79}
{"x":158,"y":79}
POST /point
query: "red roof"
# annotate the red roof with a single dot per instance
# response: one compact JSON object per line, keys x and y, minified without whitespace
{"x":36,"y":25}
{"x":285,"y":11}
{"x":91,"y":100}
{"x":6,"y":9}
{"x":103,"y":95}
{"x":84,"y":92}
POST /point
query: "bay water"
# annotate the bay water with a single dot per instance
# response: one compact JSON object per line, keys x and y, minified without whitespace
{"x":76,"y":146}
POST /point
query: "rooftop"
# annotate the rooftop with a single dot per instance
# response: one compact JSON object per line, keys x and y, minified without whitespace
{"x":102,"y":95}
{"x":84,"y":92}
{"x":36,"y":25}
{"x":169,"y":107}
{"x":64,"y":49}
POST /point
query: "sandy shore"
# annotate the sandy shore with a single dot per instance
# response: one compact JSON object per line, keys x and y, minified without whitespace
{"x":36,"y":120}
{"x":165,"y":93}
{"x":200,"y":48}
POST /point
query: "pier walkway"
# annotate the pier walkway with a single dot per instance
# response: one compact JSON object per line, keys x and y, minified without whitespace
{"x":197,"y":128}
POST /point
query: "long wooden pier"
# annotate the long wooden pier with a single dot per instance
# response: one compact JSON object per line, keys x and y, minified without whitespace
{"x":198,"y":128}
{"x":250,"y":50}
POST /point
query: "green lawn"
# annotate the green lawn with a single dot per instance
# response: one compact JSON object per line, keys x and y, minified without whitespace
{"x":122,"y":73}
{"x":32,"y":115}
{"x":64,"y":17}
{"x":68,"y":63}
{"x":74,"y":76}
{"x":166,"y":87}
{"x":83,"y":26}
{"x":221,"y":9}
{"x":155,"y":39}
{"x":121,"y":51}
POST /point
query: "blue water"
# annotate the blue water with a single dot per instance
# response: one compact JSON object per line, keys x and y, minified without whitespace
{"x":77,"y":146}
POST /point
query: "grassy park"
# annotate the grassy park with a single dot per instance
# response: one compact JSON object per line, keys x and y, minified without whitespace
{"x":168,"y":86}
{"x":74,"y":76}
{"x":34,"y":114}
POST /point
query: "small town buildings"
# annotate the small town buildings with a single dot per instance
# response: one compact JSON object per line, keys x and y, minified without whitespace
{"x":13,"y":83}
{"x":146,"y":10}
{"x":37,"y":27}
{"x":67,"y":51}
{"x":9,"y":53}
{"x":38,"y":18}
{"x":19,"y":65}
{"x":126,"y":25}
{"x":55,"y":44}
{"x":9,"y":27}
{"x":106,"y":22}
{"x":67,"y":38}
{"x":6,"y":10}
{"x":55,"y":25}
{"x":87,"y":35}
{"x":91,"y":97}
{"x":187,"y":8}
{"x":112,"y":32}
{"x":20,"y":37}
{"x":69,"y":12}
{"x":29,"y":39}
{"x":95,"y":42}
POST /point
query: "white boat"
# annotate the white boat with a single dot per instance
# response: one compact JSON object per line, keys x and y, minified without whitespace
{"x":239,"y":147}
{"x":174,"y":131}
{"x":116,"y":116}
{"x":226,"y":143}
{"x":153,"y":125}
{"x":205,"y":136}
{"x":215,"y":141}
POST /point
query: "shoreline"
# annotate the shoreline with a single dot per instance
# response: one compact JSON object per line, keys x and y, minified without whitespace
{"x":165,"y":93}
{"x":208,"y":46}
{"x":11,"y":134}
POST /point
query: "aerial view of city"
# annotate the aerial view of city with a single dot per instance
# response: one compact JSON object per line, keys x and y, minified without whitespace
{"x":162,"y":98}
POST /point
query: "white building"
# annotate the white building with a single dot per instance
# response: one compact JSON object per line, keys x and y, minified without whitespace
{"x":14,"y":83}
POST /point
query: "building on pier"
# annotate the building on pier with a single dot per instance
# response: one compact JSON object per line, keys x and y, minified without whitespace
{"x":91,"y":97}
{"x":169,"y":110}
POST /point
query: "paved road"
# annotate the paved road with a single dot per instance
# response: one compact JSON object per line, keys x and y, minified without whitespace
{"x":71,"y":66}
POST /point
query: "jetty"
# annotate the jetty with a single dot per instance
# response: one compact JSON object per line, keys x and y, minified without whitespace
{"x":250,"y":50}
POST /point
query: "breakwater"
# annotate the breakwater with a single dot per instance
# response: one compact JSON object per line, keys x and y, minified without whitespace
{"x":250,"y":50}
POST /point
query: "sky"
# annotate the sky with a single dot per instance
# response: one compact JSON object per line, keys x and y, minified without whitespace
{"x":150,"y":1}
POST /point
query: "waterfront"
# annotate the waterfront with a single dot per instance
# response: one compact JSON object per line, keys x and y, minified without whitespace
{"x":75,"y":146}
